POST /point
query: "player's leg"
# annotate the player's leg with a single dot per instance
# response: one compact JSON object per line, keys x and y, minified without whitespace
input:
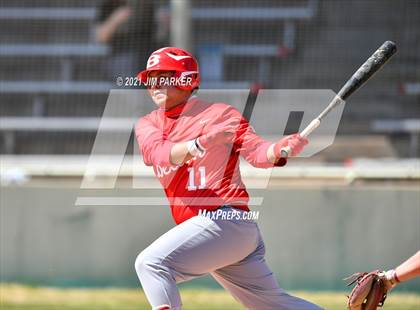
{"x":252,"y":283}
{"x":191,"y":249}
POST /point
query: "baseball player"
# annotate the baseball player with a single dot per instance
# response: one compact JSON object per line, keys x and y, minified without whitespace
{"x":407,"y":270}
{"x":194,"y":147}
{"x":372,"y":288}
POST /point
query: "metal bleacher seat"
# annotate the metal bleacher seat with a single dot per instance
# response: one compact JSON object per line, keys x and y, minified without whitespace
{"x":47,"y":13}
{"x":12,"y":126}
{"x":255,"y":12}
{"x":261,"y":51}
{"x":69,"y":52}
{"x":36,"y":52}
{"x":66,"y":124}
{"x":55,"y":87}
{"x":51,"y":50}
{"x":212,"y":55}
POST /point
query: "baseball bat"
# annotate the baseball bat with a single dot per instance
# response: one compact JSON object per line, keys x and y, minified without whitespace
{"x":369,"y":68}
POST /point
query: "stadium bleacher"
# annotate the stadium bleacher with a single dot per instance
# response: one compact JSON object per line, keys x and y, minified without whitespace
{"x":52,"y":68}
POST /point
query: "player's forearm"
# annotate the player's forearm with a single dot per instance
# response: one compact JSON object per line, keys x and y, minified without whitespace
{"x":105,"y":31}
{"x":180,"y":153}
{"x":270,"y":154}
{"x":409,"y":269}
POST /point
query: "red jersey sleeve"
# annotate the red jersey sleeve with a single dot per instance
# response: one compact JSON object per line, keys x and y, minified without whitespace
{"x":251,"y":146}
{"x":156,"y":149}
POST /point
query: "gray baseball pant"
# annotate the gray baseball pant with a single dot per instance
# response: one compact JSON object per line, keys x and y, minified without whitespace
{"x":232,"y":251}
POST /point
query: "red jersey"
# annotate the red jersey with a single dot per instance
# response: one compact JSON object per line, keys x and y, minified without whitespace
{"x":211,"y":179}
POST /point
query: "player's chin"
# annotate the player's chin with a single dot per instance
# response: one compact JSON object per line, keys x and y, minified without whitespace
{"x":160,"y":100}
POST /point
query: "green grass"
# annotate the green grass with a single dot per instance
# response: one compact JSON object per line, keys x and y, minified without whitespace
{"x":36,"y":298}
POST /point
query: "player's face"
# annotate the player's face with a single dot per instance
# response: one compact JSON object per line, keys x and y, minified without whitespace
{"x":166,"y":96}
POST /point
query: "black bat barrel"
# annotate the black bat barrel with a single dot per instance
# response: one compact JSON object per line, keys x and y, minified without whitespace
{"x":376,"y":61}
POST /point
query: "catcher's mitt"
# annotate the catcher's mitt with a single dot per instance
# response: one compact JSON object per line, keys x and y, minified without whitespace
{"x":370,"y":291}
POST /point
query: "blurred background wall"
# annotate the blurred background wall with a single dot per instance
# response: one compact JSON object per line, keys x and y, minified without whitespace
{"x":314,"y":236}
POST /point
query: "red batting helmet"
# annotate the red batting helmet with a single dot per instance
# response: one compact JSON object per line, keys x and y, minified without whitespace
{"x":173,"y":59}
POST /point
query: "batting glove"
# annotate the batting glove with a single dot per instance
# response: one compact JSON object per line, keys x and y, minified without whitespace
{"x":296,"y":143}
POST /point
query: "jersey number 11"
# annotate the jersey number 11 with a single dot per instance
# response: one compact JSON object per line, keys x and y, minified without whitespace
{"x":191,"y":179}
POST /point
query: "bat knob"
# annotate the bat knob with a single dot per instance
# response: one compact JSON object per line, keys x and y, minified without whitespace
{"x":284,"y":152}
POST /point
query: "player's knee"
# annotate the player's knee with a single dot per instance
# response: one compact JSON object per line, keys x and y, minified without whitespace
{"x":146,"y":262}
{"x":141,"y":262}
{"x":316,"y":307}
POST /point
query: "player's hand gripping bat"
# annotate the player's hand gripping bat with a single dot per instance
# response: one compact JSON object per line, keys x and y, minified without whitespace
{"x":373,"y":64}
